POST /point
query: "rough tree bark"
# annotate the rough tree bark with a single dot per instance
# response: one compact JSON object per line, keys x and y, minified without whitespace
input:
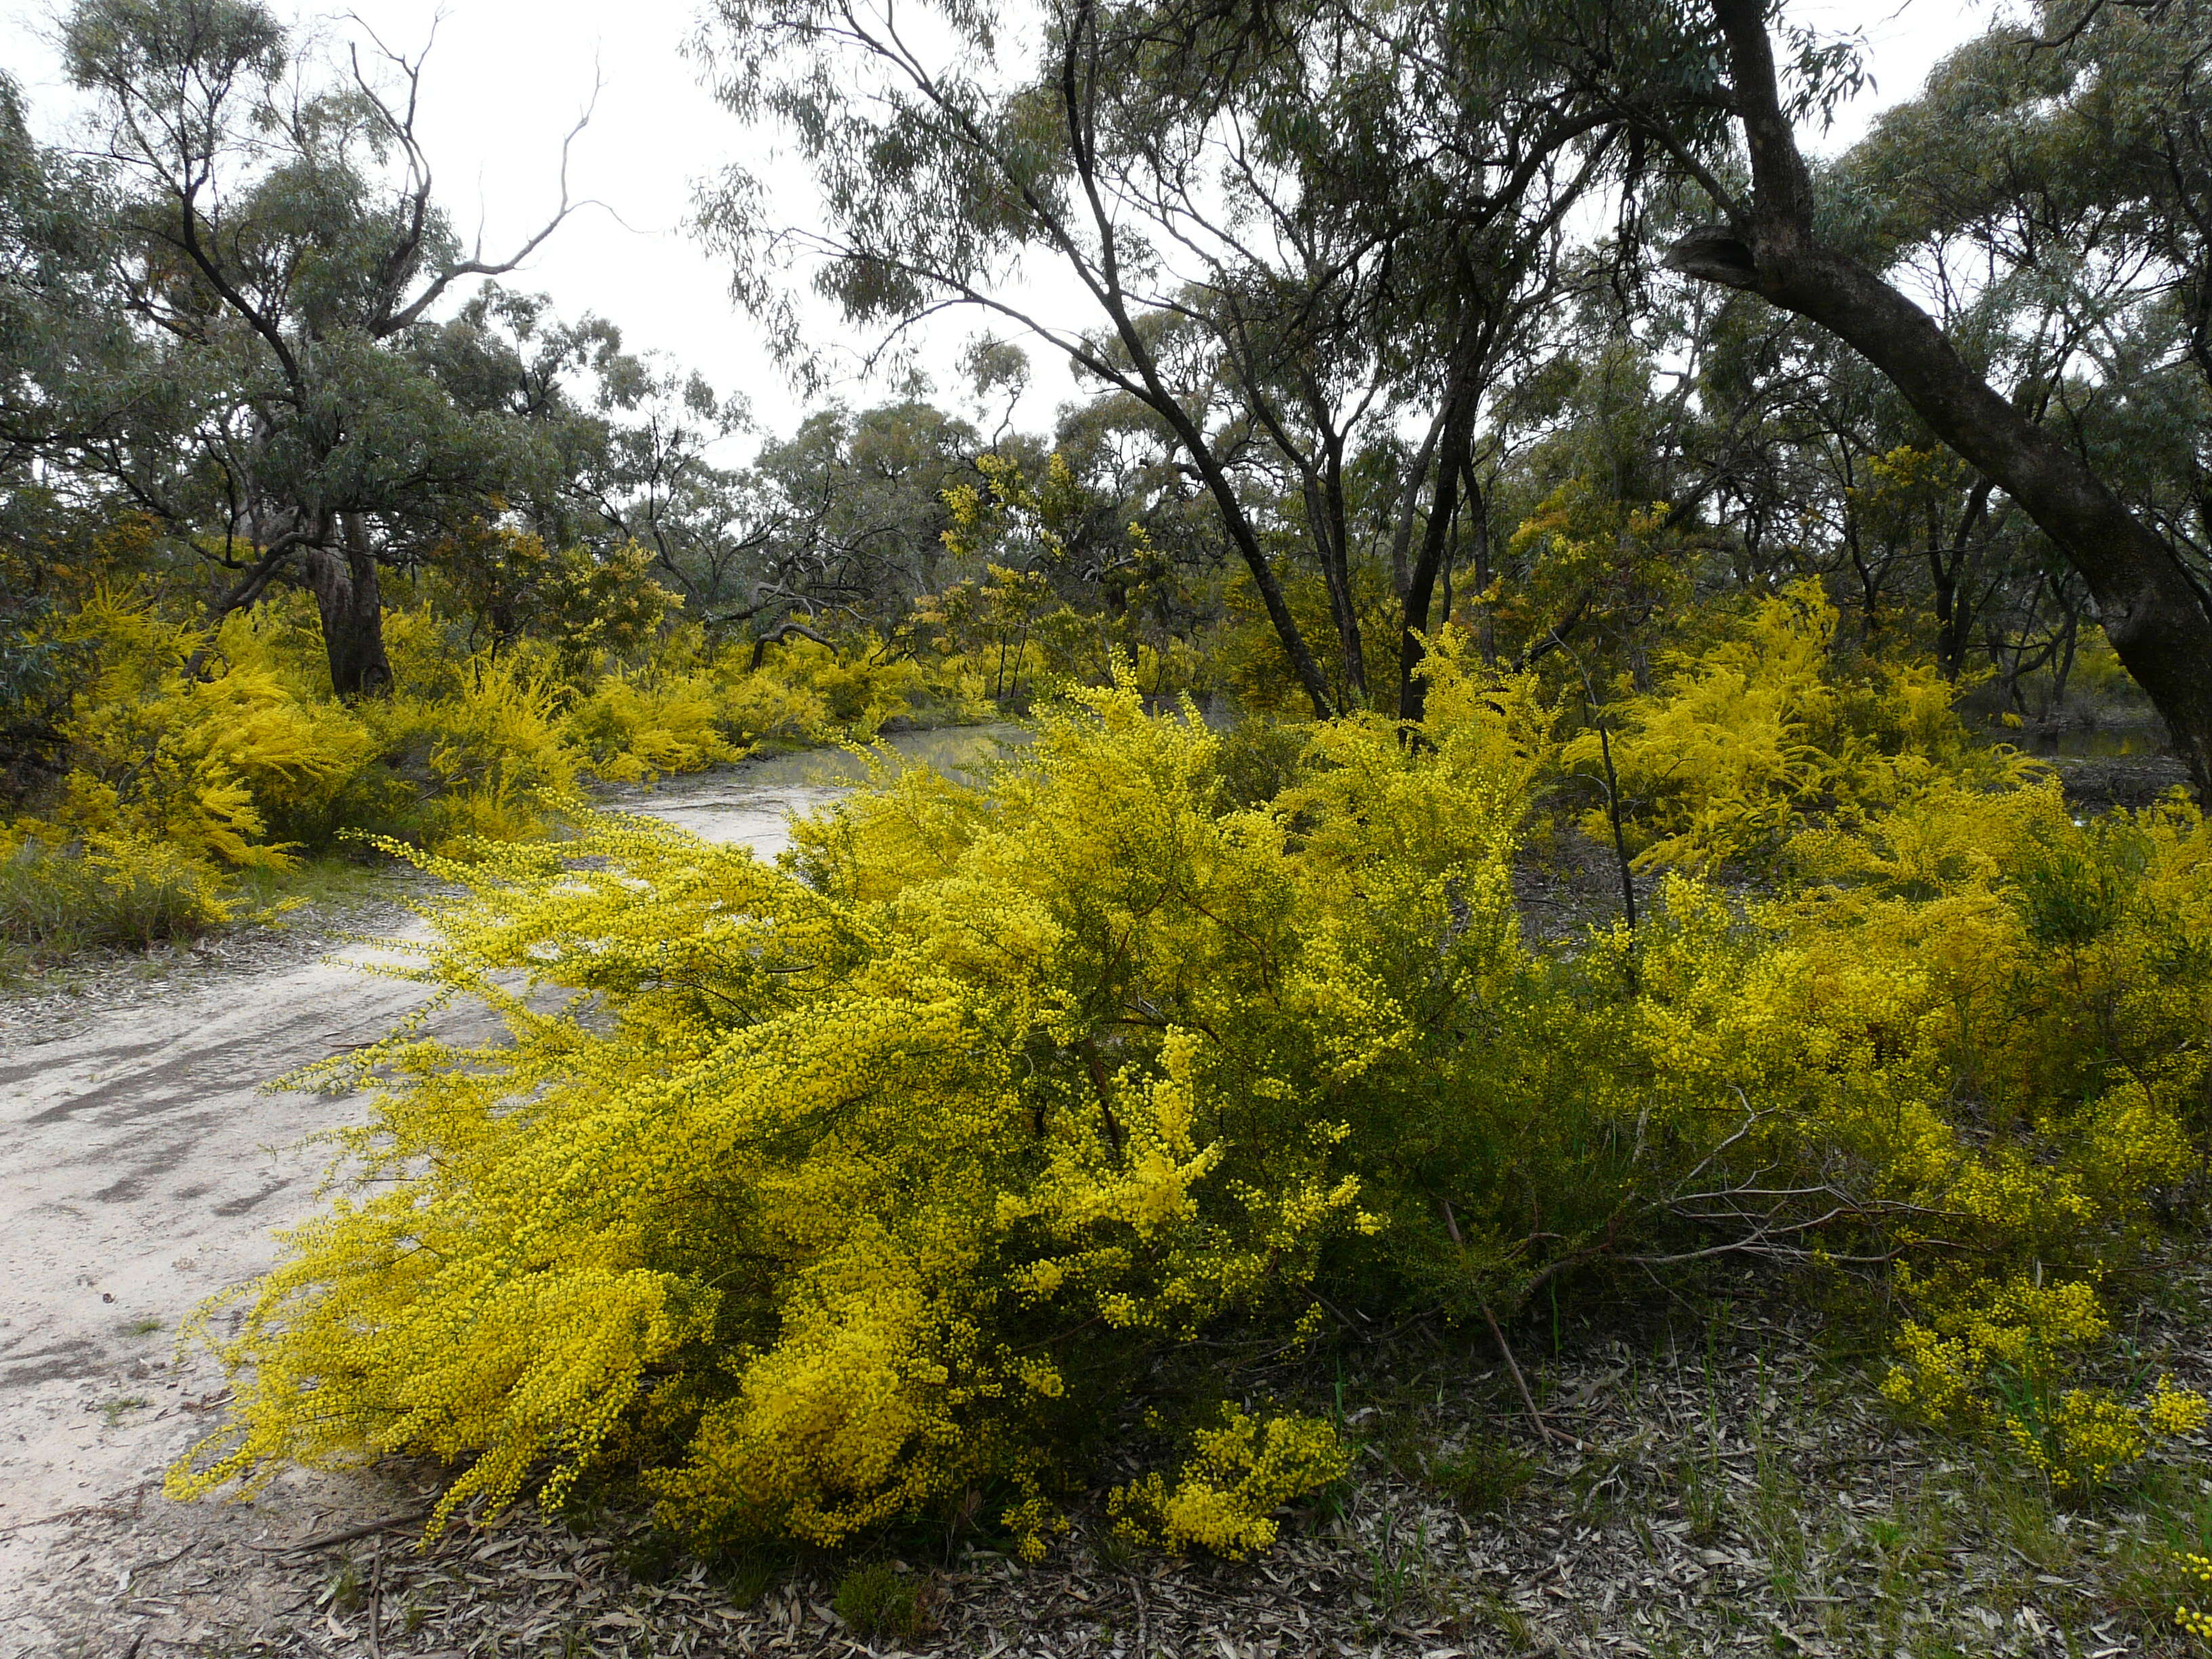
{"x":1330,"y":522}
{"x":2153,"y":613}
{"x":350,"y":598}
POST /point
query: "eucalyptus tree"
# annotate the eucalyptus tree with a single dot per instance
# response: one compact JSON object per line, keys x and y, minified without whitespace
{"x":272,"y":233}
{"x":621,"y":447}
{"x":937,"y":164}
{"x":2073,"y":150}
{"x":1455,"y":154}
{"x":48,"y":264}
{"x":853,"y":514}
{"x":651,"y":476}
{"x":1282,"y":232}
{"x":34,"y":272}
{"x":50,"y":274}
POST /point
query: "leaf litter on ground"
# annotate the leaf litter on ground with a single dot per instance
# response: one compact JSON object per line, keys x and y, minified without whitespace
{"x":1729,"y":1483}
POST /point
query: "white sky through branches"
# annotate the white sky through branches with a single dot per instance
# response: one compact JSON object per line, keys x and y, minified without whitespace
{"x":508,"y":78}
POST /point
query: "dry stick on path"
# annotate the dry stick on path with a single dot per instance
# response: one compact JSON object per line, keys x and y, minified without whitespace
{"x":365,"y":1530}
{"x":1551,"y":1435}
{"x":376,"y":1604}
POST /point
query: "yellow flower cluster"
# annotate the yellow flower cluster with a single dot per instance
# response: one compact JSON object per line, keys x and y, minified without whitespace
{"x":1975,"y":1327}
{"x":2091,"y":1434}
{"x":1239,"y":1473}
{"x":2197,"y":1622}
{"x":1757,"y":737}
{"x":2173,"y":1412}
{"x":2079,"y":1443}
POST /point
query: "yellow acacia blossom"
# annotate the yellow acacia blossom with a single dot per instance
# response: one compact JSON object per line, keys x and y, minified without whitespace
{"x":828,"y":1192}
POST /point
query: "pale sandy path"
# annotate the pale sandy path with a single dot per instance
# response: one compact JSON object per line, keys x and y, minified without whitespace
{"x":142,"y":1169}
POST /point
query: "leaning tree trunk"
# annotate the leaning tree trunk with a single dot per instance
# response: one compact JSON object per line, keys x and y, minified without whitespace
{"x":2153,"y":613}
{"x":351,"y":600}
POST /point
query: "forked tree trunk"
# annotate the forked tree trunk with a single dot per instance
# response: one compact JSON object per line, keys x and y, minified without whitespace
{"x":1457,"y":434}
{"x":2156,"y":619}
{"x":351,"y":600}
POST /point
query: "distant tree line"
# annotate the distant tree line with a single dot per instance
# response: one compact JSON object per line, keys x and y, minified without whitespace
{"x":1533,"y":316}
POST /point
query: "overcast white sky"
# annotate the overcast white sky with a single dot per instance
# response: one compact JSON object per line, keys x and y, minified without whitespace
{"x":508,"y":77}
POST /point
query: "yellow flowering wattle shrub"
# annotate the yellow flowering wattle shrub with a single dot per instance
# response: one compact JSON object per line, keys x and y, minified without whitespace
{"x":487,"y":758}
{"x":109,"y":890}
{"x":854,"y":1187}
{"x":177,"y":740}
{"x":1997,"y":1010}
{"x":829,"y":1193}
{"x":1762,"y":732}
{"x":634,"y":729}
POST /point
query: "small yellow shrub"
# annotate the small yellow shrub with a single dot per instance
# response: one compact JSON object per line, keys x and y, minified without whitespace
{"x":1763,"y":733}
{"x":489,"y":756}
{"x":2079,"y":1443}
{"x":1239,"y":1473}
{"x":114,"y":888}
{"x":633,"y":731}
{"x":153,"y":890}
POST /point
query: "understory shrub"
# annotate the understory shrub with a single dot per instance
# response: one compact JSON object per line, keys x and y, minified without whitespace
{"x":879,"y":1600}
{"x":112,"y":889}
{"x":830,"y":1194}
{"x":188,"y":755}
{"x":1239,"y":1472}
{"x":1765,"y":731}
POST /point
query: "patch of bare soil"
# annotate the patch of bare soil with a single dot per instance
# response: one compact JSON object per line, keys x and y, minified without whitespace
{"x":143,"y":1169}
{"x":102,"y":985}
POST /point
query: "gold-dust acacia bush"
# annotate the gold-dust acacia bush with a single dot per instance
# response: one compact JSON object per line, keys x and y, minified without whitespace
{"x":862,"y":1182}
{"x":1765,"y":731}
{"x":195,"y":739}
{"x":1980,"y":1018}
{"x":1239,"y":1472}
{"x":826,"y":1194}
{"x":2067,"y":970}
{"x":108,"y":890}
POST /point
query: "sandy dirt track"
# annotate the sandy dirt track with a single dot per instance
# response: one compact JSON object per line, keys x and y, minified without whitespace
{"x":143,"y":1168}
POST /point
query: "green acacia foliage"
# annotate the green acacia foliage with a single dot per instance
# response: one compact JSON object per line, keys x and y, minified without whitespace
{"x":878,"y":1178}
